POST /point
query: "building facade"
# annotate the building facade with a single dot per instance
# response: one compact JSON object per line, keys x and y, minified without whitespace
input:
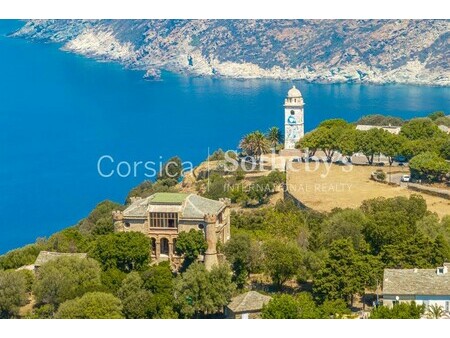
{"x":424,"y":286}
{"x":294,"y":126}
{"x":162,"y":216}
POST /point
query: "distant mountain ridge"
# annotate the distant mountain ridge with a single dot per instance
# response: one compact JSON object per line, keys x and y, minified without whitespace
{"x":330,"y":51}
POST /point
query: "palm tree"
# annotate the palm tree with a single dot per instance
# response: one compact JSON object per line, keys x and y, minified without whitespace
{"x":435,"y":311}
{"x":255,"y":144}
{"x":274,"y":136}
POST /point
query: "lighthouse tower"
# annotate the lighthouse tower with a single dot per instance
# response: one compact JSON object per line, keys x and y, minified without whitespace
{"x":294,"y":128}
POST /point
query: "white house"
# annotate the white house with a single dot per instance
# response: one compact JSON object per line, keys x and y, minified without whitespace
{"x":391,"y":129}
{"x":424,"y":286}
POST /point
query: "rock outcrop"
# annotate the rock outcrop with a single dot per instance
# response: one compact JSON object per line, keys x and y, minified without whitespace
{"x":355,"y":51}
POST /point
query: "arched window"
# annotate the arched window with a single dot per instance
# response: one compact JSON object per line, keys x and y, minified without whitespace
{"x":292,"y":112}
{"x":164,"y":246}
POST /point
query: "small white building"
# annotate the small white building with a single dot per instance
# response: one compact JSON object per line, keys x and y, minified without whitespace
{"x":445,"y":129}
{"x":247,"y":305}
{"x":424,"y":286}
{"x":392,"y":129}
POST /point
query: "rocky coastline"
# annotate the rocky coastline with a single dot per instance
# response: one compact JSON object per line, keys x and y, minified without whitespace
{"x":326,"y":51}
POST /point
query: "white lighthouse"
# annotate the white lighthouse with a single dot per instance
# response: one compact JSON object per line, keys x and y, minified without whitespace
{"x":294,"y":128}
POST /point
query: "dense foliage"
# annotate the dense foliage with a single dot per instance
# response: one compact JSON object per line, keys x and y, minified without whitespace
{"x":302,"y":306}
{"x":429,"y":167}
{"x":125,"y":251}
{"x":191,"y":244}
{"x":324,"y":260}
{"x":66,"y":278}
{"x":199,"y":292}
{"x":13,"y":293}
{"x":380,"y":120}
{"x":399,"y":311}
{"x":92,"y":305}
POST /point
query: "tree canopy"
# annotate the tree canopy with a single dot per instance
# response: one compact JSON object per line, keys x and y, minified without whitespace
{"x":92,"y":305}
{"x":66,"y":278}
{"x":420,"y":128}
{"x":191,"y":244}
{"x":13,"y":293}
{"x":126,"y":251}
{"x":281,"y":260}
{"x":429,"y":167}
{"x":399,"y":311}
{"x":199,"y":292}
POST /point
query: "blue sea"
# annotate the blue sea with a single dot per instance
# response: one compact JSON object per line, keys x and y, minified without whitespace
{"x":60,"y":113}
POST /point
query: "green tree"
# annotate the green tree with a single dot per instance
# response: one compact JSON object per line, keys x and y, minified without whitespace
{"x":429,"y":167}
{"x":126,"y":251}
{"x":285,"y":306}
{"x":435,"y":115}
{"x":172,"y":170}
{"x":394,"y":146}
{"x":333,"y":123}
{"x":371,"y":142}
{"x":324,"y":138}
{"x":66,"y":278}
{"x":380,"y":120}
{"x":238,"y":253}
{"x":444,"y":150}
{"x":340,"y":277}
{"x":158,"y":279}
{"x":347,"y":223}
{"x":414,"y":251}
{"x":23,"y":256}
{"x":398,"y":311}
{"x":135,"y":300}
{"x":199,"y":292}
{"x":112,"y":279}
{"x":218,"y":155}
{"x":274,"y":136}
{"x":13,"y":293}
{"x":420,"y":128}
{"x":441,"y":250}
{"x":335,"y":309}
{"x":255,"y":144}
{"x":392,"y":219}
{"x":69,"y":240}
{"x":99,"y":221}
{"x":281,"y":260}
{"x":92,"y":305}
{"x":191,"y":244}
{"x":347,"y":143}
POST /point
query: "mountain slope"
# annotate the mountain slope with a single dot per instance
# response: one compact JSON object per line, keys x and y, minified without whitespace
{"x":368,"y":51}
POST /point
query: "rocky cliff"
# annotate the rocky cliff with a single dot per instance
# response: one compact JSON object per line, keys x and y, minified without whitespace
{"x":366,"y":51}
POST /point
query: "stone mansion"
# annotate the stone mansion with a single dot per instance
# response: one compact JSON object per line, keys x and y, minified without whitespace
{"x":162,"y":216}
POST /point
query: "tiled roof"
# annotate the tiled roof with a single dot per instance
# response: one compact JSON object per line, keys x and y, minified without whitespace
{"x":197,"y":207}
{"x":415,"y":282}
{"x":248,"y":302}
{"x":190,"y":205}
{"x":47,"y":256}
